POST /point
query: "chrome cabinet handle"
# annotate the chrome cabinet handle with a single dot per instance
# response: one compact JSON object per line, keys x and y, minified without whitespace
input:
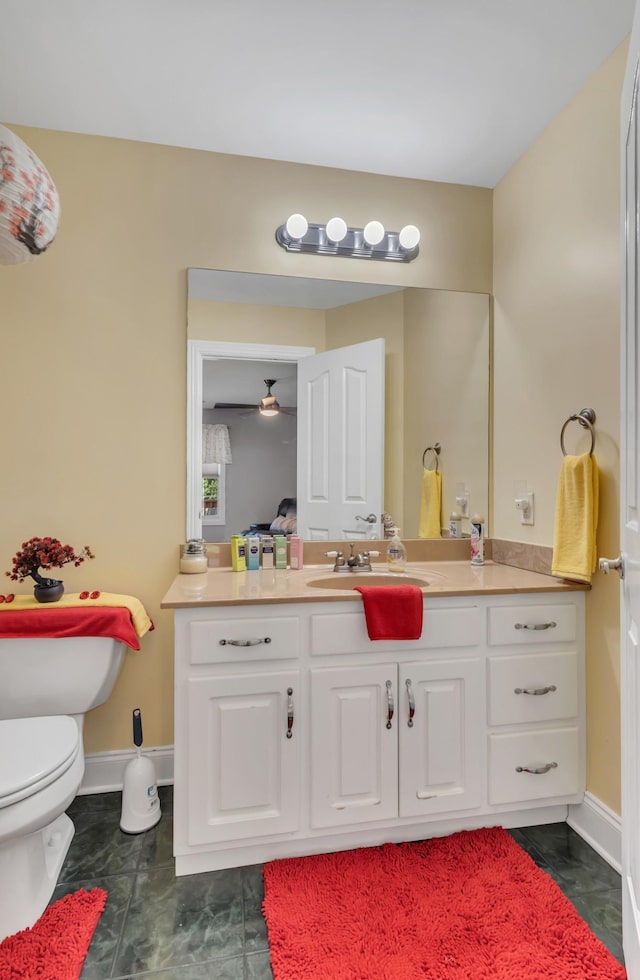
{"x":535,"y":690}
{"x":412,"y":703}
{"x":535,"y":626}
{"x":245,"y":643}
{"x":538,"y":771}
{"x":289,"y":712}
{"x":389,"y":703}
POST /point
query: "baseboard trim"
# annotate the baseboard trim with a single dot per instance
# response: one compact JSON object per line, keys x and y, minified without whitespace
{"x":600,"y":827}
{"x":595,"y":822}
{"x":104,"y":771}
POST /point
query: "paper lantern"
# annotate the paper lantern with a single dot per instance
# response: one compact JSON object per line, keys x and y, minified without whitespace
{"x":29,"y":204}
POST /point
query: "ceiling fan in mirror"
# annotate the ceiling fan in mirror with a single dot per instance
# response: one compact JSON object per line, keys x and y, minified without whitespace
{"x":267,"y":406}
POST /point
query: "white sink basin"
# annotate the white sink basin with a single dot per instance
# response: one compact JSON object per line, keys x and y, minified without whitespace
{"x":349,"y":580}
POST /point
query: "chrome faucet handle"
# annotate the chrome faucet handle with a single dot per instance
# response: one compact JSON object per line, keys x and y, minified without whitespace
{"x":340,"y":563}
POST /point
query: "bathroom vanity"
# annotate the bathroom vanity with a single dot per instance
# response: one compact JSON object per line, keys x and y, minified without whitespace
{"x":296,"y":734}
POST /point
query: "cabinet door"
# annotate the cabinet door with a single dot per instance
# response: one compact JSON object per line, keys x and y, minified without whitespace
{"x":243,"y":769}
{"x":440,"y":717}
{"x":354,"y":745}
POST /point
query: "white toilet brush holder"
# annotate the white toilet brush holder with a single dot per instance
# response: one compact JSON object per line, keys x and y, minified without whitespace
{"x":140,"y":801}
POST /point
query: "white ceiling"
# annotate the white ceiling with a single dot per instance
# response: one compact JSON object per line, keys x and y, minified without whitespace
{"x":448,"y":90}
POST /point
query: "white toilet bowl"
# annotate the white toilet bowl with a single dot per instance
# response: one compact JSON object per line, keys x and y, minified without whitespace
{"x":41,"y":771}
{"x":48,"y":685}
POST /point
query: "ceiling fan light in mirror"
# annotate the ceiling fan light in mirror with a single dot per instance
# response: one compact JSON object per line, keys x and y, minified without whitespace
{"x":269,"y":405}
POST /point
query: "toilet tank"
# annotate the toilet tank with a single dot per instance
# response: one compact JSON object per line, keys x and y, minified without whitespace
{"x":62,"y":676}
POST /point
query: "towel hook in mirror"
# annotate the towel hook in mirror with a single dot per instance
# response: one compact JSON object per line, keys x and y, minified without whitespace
{"x":585,"y":417}
{"x":435,"y":449}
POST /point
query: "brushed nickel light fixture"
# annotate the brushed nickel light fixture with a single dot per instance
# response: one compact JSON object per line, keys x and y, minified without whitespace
{"x":337,"y":238}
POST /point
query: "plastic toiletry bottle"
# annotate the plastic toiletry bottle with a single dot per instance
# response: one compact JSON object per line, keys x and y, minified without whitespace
{"x":396,"y":552}
{"x":296,"y":546}
{"x":267,"y":551}
{"x":455,"y":524}
{"x":477,"y":540}
{"x":253,"y":553}
{"x":238,"y":553}
{"x":280,"y":550}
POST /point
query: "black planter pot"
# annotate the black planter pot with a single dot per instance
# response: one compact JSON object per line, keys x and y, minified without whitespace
{"x":49,"y":593}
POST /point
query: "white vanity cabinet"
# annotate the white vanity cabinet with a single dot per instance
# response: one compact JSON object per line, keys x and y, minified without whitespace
{"x":535,"y":663}
{"x":393,"y":740}
{"x":297,"y":734}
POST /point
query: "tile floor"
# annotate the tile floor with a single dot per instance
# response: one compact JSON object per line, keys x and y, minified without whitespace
{"x":210,"y":927}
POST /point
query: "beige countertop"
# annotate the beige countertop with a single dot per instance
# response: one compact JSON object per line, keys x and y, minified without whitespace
{"x":222,"y":586}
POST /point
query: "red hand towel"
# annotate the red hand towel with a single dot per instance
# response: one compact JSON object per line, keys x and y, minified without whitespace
{"x":93,"y":621}
{"x":392,"y":612}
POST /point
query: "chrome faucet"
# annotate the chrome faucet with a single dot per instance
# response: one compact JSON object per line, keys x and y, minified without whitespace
{"x":356,"y":562}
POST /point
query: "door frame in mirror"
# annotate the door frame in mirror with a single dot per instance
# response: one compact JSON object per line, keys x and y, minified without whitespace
{"x":199,"y":351}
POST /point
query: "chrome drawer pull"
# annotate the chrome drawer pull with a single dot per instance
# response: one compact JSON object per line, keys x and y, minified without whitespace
{"x":389,"y":703}
{"x":535,"y":626}
{"x":535,"y":690}
{"x":540,"y":771}
{"x":245,"y":643}
{"x":289,"y":712}
{"x":412,"y":703}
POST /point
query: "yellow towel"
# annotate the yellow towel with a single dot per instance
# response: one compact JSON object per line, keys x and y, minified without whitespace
{"x":141,"y":621}
{"x":576,"y":520}
{"x":430,"y":505}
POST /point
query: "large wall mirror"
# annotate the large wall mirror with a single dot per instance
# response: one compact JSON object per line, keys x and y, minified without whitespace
{"x":436,"y":391}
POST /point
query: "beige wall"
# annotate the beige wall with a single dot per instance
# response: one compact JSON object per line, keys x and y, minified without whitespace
{"x":446,"y":397}
{"x":556,"y":322}
{"x":93,"y":359}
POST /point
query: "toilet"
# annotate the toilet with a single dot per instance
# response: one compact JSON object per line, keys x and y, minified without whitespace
{"x":48,"y":685}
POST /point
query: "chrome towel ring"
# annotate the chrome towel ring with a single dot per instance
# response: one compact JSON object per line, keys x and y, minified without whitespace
{"x":435,"y":449}
{"x":585,"y":417}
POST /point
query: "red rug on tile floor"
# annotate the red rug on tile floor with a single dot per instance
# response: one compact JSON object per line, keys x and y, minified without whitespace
{"x":472,"y":906}
{"x":56,"y":946}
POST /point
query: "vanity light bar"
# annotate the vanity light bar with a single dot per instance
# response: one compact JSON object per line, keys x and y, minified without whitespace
{"x":336,"y":238}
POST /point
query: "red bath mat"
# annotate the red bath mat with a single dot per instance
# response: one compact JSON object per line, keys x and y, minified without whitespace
{"x":472,"y":906}
{"x":56,"y":946}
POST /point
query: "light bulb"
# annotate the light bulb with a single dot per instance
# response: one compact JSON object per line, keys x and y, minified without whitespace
{"x":336,"y":229}
{"x":297,"y":226}
{"x":409,"y":236}
{"x":373,"y":232}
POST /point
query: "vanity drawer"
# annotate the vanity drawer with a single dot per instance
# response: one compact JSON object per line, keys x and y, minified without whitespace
{"x":243,"y":639}
{"x":441,"y":628}
{"x":558,"y":748}
{"x":526,"y":625}
{"x":527,"y":674}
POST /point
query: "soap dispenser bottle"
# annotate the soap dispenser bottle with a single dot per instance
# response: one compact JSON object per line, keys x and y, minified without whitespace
{"x":396,"y":552}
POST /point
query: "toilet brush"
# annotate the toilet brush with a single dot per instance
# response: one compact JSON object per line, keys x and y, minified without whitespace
{"x":140,"y":802}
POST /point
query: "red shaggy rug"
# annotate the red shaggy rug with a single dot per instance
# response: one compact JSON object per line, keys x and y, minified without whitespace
{"x":472,"y":906}
{"x":56,"y":946}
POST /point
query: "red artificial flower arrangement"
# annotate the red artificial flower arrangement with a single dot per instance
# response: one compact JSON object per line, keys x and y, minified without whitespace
{"x":44,"y":553}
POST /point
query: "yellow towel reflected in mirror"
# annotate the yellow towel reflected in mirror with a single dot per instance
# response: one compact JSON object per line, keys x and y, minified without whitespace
{"x":430,"y":505}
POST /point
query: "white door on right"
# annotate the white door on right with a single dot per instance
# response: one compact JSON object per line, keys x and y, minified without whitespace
{"x":630,"y":513}
{"x":340,"y":441}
